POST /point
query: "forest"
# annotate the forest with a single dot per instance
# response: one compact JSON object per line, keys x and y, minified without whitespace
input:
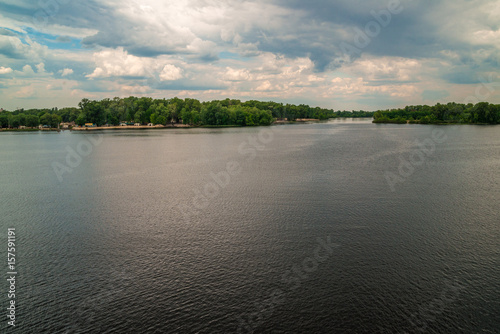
{"x":144,"y":110}
{"x":451,"y":113}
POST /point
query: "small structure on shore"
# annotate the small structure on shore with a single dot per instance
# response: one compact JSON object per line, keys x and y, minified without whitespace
{"x":67,"y":125}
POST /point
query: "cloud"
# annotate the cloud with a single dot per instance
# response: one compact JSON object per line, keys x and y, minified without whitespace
{"x":5,"y":70}
{"x":6,"y":32}
{"x":28,"y":70}
{"x":276,"y":49}
{"x":170,"y":73}
{"x":66,"y":71}
{"x":22,"y":47}
{"x":40,"y":68}
{"x":233,"y":74}
{"x":135,"y":89}
{"x":53,"y":87}
{"x":25,"y":92}
{"x":386,"y":69}
{"x":95,"y":86}
{"x":434,"y":95}
{"x":63,"y":39}
{"x":118,"y":62}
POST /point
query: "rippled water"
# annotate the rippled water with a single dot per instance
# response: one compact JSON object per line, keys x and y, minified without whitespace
{"x":306,"y":236}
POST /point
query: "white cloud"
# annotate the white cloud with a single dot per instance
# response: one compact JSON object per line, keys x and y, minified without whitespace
{"x":66,"y":71}
{"x":233,"y":74}
{"x":119,"y":63}
{"x":28,"y":70}
{"x":5,"y":70}
{"x":40,"y":68}
{"x":381,"y":69}
{"x":265,"y":86}
{"x":170,"y":73}
{"x":135,"y":89}
{"x":359,"y":87}
{"x":14,"y":48}
{"x":279,"y":49}
{"x":25,"y":92}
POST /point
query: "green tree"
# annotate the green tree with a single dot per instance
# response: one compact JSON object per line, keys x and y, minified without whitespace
{"x":137,"y":117}
{"x":46,"y":119}
{"x":80,"y":120}
{"x":265,"y":118}
{"x":4,"y":120}
{"x":14,"y":121}
{"x":32,"y":121}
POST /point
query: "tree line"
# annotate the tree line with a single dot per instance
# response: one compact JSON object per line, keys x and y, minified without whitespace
{"x":146,"y":110}
{"x":451,"y":113}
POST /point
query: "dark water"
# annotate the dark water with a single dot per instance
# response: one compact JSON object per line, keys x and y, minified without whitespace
{"x":308,"y":237}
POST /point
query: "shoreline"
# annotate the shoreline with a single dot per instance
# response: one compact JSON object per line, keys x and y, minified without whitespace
{"x":433,"y":123}
{"x":31,"y":130}
{"x":157,"y":127}
{"x":130,"y":127}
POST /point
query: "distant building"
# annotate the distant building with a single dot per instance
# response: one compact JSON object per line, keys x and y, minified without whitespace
{"x":67,"y":125}
{"x":90,"y":125}
{"x":137,"y":124}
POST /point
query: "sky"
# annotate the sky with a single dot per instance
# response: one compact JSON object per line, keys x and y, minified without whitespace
{"x":343,"y":55}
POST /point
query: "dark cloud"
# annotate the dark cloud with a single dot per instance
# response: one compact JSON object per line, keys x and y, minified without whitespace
{"x":318,"y":29}
{"x":63,"y":39}
{"x":463,"y":77}
{"x":431,"y":42}
{"x":10,"y":51}
{"x":365,"y":29}
{"x":7,"y":32}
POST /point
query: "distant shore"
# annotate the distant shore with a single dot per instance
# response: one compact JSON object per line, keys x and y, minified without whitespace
{"x":130,"y":127}
{"x":30,"y":130}
{"x":146,"y":127}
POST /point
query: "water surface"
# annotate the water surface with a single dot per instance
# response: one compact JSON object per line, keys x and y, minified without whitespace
{"x":125,"y":244}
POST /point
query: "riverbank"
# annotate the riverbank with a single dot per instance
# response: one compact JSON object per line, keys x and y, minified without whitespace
{"x":29,"y":130}
{"x":300,"y":120}
{"x":130,"y":127}
{"x":425,"y":123}
{"x":175,"y":126}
